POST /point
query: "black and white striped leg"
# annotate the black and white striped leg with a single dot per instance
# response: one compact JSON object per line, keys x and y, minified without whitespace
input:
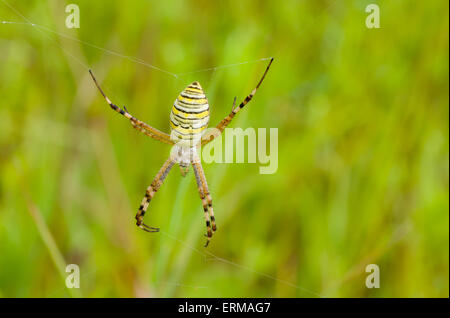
{"x":205,"y":196}
{"x":235,"y":109}
{"x":198,"y":177}
{"x":136,"y":123}
{"x":150,"y":192}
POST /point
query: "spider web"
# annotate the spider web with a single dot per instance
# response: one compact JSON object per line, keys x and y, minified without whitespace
{"x":45,"y":30}
{"x":207,"y":255}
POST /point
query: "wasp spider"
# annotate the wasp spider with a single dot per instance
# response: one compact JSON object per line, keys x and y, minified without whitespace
{"x":188,"y":121}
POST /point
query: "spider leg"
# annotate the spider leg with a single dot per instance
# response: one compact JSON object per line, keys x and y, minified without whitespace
{"x":136,"y":123}
{"x":206,"y":199}
{"x":226,"y":121}
{"x":150,"y":192}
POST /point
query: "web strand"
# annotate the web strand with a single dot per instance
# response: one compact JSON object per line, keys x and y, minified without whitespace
{"x":111,"y":52}
{"x":243,"y":267}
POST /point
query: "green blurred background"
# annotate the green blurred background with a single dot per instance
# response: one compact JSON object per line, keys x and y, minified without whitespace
{"x":363,"y":171}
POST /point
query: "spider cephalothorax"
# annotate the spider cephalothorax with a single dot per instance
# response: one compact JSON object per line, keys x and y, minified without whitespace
{"x":188,"y":121}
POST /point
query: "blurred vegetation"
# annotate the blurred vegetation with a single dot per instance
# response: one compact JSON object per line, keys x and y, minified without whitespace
{"x":363,"y":171}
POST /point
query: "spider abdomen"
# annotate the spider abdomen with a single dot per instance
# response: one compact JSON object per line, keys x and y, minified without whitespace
{"x":190,"y":115}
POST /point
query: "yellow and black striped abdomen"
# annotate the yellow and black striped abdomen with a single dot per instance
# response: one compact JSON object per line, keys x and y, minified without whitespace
{"x":190,"y":115}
